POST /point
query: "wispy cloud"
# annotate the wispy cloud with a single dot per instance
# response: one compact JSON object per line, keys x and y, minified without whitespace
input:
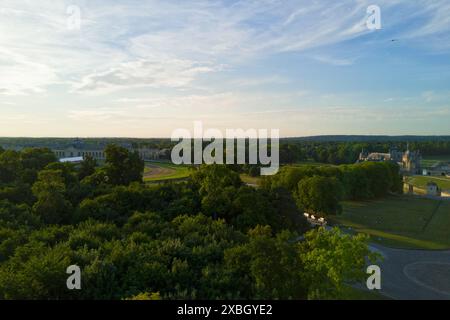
{"x":156,"y":73}
{"x":334,"y":61}
{"x":218,"y":59}
{"x":170,"y":43}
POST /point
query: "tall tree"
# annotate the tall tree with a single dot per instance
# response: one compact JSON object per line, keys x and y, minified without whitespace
{"x":51,"y":204}
{"x":320,"y":195}
{"x":331,"y":260}
{"x":10,"y":166}
{"x":123,"y":167}
{"x":87,"y":167}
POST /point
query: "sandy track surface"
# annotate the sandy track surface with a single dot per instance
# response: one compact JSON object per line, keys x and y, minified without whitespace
{"x":156,"y":171}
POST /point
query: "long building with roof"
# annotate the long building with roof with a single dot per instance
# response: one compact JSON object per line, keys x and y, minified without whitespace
{"x":79,"y":149}
{"x":409,"y":161}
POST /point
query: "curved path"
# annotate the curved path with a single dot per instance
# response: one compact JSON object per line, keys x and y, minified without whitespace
{"x":414,"y":274}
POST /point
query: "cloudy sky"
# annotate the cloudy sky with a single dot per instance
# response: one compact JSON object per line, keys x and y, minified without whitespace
{"x":145,"y":68}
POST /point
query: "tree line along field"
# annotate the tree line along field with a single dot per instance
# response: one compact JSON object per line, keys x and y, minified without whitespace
{"x":400,"y":221}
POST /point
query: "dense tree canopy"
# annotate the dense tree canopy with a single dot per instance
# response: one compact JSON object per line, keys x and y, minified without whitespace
{"x":210,"y":237}
{"x":365,"y":180}
{"x":122,"y":166}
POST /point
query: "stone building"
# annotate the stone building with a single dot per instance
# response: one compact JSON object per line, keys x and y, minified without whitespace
{"x":438,"y":169}
{"x":409,"y":161}
{"x":433,"y":189}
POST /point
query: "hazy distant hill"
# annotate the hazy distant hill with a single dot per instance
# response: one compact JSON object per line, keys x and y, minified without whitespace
{"x":362,"y":138}
{"x":8,"y":142}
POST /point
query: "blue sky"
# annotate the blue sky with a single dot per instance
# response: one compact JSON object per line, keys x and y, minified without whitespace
{"x":145,"y":68}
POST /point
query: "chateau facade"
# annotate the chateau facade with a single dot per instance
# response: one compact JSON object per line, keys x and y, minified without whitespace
{"x":409,"y":161}
{"x":99,"y":154}
{"x":78,"y":149}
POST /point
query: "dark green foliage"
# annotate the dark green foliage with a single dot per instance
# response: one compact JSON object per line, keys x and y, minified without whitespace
{"x":51,"y":205}
{"x":319,"y":195}
{"x":358,"y":181}
{"x":122,"y":167}
{"x":87,"y":167}
{"x":210,"y":237}
{"x":10,"y":166}
{"x":267,"y":267}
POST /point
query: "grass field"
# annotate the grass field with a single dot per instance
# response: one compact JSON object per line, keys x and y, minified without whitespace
{"x":402,"y":221}
{"x":162,"y":171}
{"x":421,"y":181}
{"x":431,"y":160}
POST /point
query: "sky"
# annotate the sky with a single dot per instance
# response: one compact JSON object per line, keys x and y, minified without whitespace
{"x":145,"y":68}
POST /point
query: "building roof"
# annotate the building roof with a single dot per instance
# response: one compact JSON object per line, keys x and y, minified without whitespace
{"x":71,"y":160}
{"x":377,"y":156}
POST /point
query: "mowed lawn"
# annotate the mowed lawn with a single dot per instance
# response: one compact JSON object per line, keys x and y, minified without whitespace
{"x":162,"y":171}
{"x":431,"y":160}
{"x":400,"y":221}
{"x":421,"y":181}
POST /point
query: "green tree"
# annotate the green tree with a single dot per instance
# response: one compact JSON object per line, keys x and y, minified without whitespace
{"x":51,"y":204}
{"x":36,"y":272}
{"x":34,"y":160}
{"x":331,"y":260}
{"x":320,"y":195}
{"x":267,"y":267}
{"x":123,"y":167}
{"x":87,"y":167}
{"x":10,"y":166}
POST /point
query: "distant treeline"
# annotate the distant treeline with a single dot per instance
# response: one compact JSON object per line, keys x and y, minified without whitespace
{"x":10,"y":143}
{"x":292,"y":151}
{"x":336,"y":150}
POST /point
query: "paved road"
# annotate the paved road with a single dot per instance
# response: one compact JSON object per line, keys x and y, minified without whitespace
{"x":414,"y":274}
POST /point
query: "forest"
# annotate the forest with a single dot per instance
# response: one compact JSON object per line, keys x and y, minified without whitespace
{"x":209,"y":237}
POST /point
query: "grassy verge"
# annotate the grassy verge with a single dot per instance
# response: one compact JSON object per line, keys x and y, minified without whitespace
{"x":404,"y":222}
{"x":421,"y":181}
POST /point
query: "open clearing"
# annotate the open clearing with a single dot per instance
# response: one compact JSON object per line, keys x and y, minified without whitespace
{"x":162,"y":171}
{"x":400,"y":221}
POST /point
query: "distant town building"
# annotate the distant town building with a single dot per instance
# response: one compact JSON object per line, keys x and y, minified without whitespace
{"x":409,"y":161}
{"x":433,"y":189}
{"x":438,"y":169}
{"x":79,"y":149}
